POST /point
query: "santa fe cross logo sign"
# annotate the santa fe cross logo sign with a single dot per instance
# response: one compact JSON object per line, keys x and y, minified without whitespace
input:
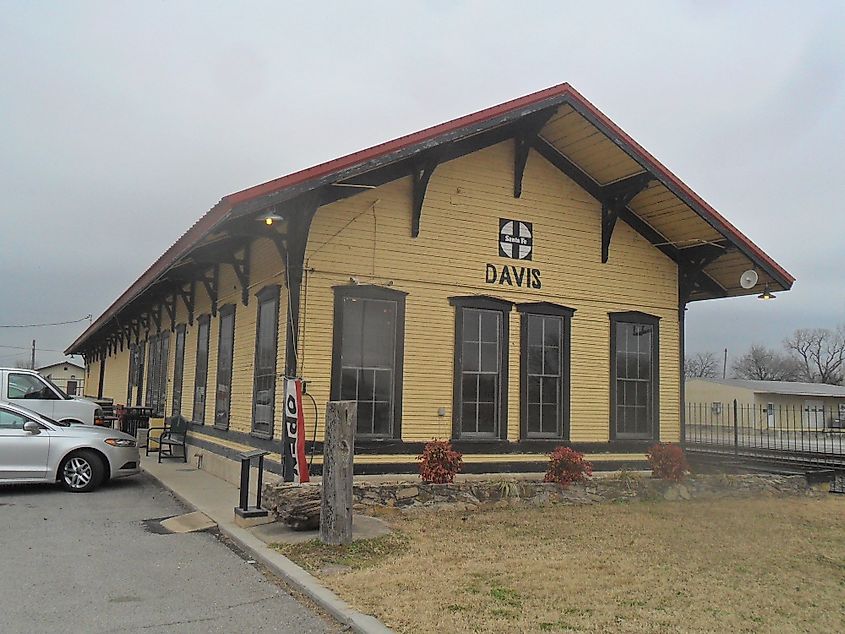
{"x":515,"y":239}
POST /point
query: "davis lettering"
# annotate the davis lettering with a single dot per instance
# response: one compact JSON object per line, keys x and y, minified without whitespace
{"x":510,"y":275}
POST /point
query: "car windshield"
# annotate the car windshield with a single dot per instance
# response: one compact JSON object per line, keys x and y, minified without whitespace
{"x":57,"y":423}
{"x":58,"y":389}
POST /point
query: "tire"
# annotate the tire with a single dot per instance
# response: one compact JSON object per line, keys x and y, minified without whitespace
{"x":81,"y":471}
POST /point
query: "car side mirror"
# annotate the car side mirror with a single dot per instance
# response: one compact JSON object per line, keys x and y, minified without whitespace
{"x":32,"y":427}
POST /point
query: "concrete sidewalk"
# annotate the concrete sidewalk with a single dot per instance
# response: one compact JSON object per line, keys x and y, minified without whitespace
{"x":217,"y":499}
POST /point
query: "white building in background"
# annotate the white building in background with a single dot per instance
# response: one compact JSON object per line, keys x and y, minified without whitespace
{"x":67,"y":375}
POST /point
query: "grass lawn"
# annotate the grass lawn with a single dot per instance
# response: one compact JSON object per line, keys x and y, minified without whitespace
{"x":758,"y":565}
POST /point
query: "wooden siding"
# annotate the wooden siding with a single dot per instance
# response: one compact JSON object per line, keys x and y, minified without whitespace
{"x":368,"y":236}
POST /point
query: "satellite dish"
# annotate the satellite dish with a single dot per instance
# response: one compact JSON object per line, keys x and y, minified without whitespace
{"x":748,"y":279}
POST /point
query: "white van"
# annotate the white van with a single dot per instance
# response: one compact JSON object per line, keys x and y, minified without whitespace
{"x":29,"y":389}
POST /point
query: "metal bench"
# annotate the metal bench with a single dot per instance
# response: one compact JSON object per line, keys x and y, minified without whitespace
{"x":173,"y":434}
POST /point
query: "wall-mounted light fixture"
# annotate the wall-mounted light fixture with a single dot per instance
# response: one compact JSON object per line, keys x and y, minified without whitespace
{"x":270,"y":217}
{"x":766,"y":294}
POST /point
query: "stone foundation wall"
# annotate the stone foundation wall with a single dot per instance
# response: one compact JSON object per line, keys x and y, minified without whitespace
{"x":498,"y":493}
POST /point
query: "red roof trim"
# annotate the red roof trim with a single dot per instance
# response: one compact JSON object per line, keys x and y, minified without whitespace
{"x":219,"y":212}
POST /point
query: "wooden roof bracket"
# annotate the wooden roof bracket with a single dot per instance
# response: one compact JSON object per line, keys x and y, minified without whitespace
{"x":155,"y":313}
{"x":421,"y":175}
{"x":615,"y":197}
{"x":527,"y":131}
{"x":170,"y":307}
{"x":211,"y":283}
{"x":188,"y":296}
{"x":135,"y":328}
{"x":145,"y":320}
{"x":691,"y":275}
{"x":241,"y":268}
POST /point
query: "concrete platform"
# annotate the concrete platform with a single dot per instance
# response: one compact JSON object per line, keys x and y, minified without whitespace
{"x":189,"y":523}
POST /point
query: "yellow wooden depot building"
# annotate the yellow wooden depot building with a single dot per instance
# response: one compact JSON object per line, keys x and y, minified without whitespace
{"x":513,"y":280}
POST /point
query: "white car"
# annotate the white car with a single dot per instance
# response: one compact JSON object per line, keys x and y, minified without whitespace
{"x":29,"y":389}
{"x":34,"y":448}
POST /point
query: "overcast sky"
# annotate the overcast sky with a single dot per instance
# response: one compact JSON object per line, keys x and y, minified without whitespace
{"x":122,"y":122}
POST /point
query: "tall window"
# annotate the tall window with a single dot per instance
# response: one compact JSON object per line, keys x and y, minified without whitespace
{"x":481,"y":361}
{"x":225,"y":350}
{"x":266,"y":349}
{"x":178,"y":370}
{"x":201,"y":377}
{"x":634,"y":376}
{"x":135,"y":388}
{"x":369,"y":331}
{"x":544,"y":362}
{"x":159,"y":346}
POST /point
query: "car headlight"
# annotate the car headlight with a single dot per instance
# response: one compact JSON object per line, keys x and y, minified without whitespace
{"x":120,"y":442}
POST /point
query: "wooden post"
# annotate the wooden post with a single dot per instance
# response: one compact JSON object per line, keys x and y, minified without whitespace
{"x":338,"y":453}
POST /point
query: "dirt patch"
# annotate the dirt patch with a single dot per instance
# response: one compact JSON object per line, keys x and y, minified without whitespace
{"x":750,"y":565}
{"x":315,"y":556}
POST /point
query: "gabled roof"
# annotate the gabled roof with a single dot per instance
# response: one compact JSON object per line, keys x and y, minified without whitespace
{"x":62,"y":363}
{"x":786,"y":388}
{"x":573,"y":134}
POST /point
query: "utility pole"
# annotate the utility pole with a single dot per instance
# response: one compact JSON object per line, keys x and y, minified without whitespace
{"x":32,"y":367}
{"x":725,"y":365}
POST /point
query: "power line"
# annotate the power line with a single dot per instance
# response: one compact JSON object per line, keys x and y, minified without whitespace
{"x":30,"y":348}
{"x":58,"y":323}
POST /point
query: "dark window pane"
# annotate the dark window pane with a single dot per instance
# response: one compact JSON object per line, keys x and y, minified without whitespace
{"x":535,"y":360}
{"x":353,"y":325}
{"x":533,"y":389}
{"x":535,"y":330}
{"x":550,"y":389}
{"x":486,"y":418}
{"x":381,"y":418}
{"x":550,"y":419}
{"x":379,"y":334}
{"x":621,"y":419}
{"x":631,"y":368}
{"x":490,"y":326}
{"x":470,"y":357}
{"x":383,"y":386}
{"x":489,"y":357}
{"x":552,"y":361}
{"x":349,"y":385}
{"x":487,"y":388}
{"x":630,"y":391}
{"x":468,"y":415}
{"x":469,"y":389}
{"x":534,"y":418}
{"x":645,"y":366}
{"x":365,"y":418}
{"x":641,"y":420}
{"x":470,"y":325}
{"x":551,"y":331}
{"x":366,"y":383}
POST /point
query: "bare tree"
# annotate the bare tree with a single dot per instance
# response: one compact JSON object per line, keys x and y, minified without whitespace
{"x":703,"y":365}
{"x":820,"y":352}
{"x":764,"y":364}
{"x":24,"y":364}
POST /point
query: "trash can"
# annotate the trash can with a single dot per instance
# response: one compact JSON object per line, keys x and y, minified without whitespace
{"x":135,"y":421}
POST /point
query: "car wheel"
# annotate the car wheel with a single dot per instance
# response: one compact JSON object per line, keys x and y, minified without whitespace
{"x":81,"y":471}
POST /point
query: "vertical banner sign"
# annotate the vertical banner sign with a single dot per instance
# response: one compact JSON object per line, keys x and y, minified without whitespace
{"x":295,"y":466}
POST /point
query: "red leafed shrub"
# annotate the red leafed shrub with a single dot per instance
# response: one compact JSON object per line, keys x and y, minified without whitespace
{"x":439,"y":462}
{"x":567,"y":466}
{"x":667,"y":461}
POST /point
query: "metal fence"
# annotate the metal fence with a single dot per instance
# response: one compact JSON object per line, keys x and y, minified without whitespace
{"x":805,"y":435}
